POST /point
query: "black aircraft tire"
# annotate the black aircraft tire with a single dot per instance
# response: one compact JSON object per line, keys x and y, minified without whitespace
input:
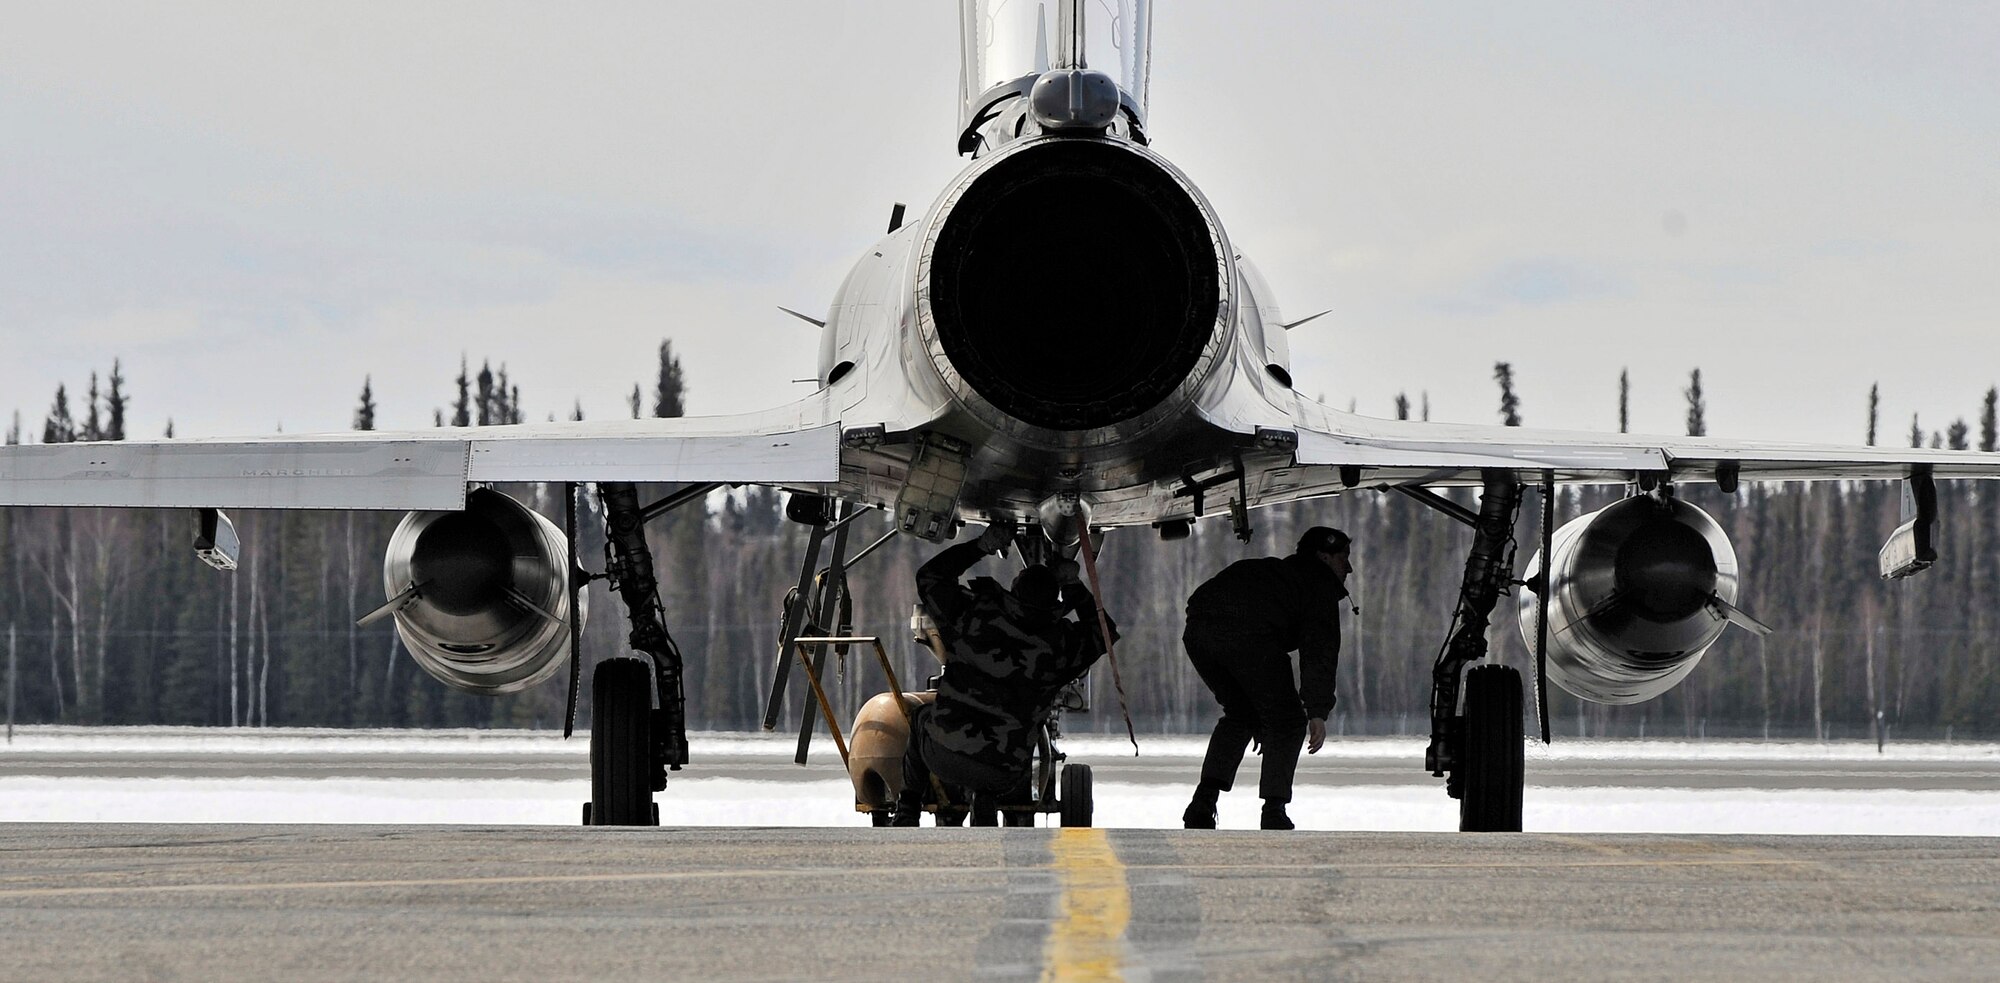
{"x":880,"y":818}
{"x":1075,"y":800}
{"x":1492,"y":760}
{"x":621,"y":744}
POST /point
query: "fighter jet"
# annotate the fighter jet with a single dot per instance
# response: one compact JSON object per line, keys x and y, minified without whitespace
{"x":1066,"y":337}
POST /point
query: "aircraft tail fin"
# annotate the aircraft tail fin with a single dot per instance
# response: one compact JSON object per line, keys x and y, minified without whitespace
{"x":1006,"y":44}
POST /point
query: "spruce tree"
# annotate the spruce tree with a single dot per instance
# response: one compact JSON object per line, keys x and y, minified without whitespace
{"x":14,"y":431}
{"x":1697,"y":421}
{"x":93,"y":427}
{"x":486,"y":407}
{"x":1987,"y":420}
{"x":669,"y":394}
{"x":59,"y":427}
{"x":364,"y":415}
{"x":309,"y":668}
{"x":1402,"y":406}
{"x":461,"y":411}
{"x":1624,"y":401}
{"x":632,"y":401}
{"x":188,"y":671}
{"x":1874,"y":409}
{"x":1958,"y":436}
{"x":1510,"y":405}
{"x":1916,"y":432}
{"x":114,"y":404}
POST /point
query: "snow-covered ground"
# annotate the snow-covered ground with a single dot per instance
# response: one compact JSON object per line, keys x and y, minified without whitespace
{"x":723,"y":744}
{"x":695,"y":799}
{"x":733,"y":744}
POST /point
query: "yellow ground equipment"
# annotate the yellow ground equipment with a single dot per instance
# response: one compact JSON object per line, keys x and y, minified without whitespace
{"x":881,"y":733}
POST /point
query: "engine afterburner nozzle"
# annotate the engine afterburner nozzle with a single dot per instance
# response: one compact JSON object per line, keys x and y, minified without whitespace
{"x":1074,"y":285}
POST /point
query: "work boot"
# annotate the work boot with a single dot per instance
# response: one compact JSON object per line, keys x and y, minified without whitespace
{"x":909,"y":809}
{"x":1274,"y":817}
{"x":1200,"y":812}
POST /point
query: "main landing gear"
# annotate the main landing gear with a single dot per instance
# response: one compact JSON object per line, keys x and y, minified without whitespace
{"x":1489,"y":773}
{"x":623,"y":773}
{"x":1476,"y":731}
{"x":639,"y":729}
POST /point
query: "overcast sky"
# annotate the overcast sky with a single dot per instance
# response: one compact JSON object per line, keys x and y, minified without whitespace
{"x":256,"y":205}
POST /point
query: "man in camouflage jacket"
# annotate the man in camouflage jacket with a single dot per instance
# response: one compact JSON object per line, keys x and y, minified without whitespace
{"x":1008,"y":655}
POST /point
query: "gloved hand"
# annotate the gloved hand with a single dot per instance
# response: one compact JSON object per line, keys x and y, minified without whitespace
{"x":998,"y":534}
{"x":1068,"y":572}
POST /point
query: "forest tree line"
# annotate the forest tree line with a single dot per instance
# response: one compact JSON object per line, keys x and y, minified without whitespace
{"x":110,"y":619}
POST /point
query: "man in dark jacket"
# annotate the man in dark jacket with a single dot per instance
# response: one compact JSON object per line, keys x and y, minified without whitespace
{"x":1241,"y":626}
{"x":1008,"y":655}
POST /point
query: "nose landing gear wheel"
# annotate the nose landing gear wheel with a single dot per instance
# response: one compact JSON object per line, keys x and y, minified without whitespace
{"x":621,"y":745}
{"x":1491,"y":771}
{"x":1074,"y":797}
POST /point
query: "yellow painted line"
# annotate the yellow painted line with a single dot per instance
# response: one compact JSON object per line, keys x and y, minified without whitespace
{"x":1087,"y":941}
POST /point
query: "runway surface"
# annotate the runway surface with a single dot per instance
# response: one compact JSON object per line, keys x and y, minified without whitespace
{"x":1614,"y":884}
{"x":84,"y":775}
{"x":1172,"y":766}
{"x":469,"y":903}
{"x":185,"y":753}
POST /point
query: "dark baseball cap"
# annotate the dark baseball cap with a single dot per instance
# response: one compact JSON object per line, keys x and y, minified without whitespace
{"x":1036,"y":587}
{"x":1324,"y":539}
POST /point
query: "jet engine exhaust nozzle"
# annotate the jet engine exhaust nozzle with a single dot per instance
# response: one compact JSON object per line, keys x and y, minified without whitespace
{"x":483,"y":593}
{"x":1641,"y":589}
{"x":1075,"y":284}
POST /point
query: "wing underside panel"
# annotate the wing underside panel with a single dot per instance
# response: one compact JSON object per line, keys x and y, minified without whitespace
{"x":415,"y":470}
{"x":262,"y":475}
{"x":1390,"y":452}
{"x":800,"y":457}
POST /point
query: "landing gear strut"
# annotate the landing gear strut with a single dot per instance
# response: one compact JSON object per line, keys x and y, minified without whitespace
{"x":1477,"y":741}
{"x":634,"y":740}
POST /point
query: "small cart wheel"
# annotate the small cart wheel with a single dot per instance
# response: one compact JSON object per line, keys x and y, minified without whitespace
{"x":985,"y":812}
{"x":1075,"y":798}
{"x":881,"y":817}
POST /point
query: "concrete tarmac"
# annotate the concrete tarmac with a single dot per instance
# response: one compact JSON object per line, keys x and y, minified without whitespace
{"x":138,"y":902}
{"x":571,"y":760}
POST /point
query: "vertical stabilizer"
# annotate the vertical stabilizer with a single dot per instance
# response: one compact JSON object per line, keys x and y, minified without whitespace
{"x":1071,"y":51}
{"x":1005,"y":45}
{"x":1041,"y":40}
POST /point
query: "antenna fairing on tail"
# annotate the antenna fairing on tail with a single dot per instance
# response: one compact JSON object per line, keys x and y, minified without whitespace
{"x":1095,"y":53}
